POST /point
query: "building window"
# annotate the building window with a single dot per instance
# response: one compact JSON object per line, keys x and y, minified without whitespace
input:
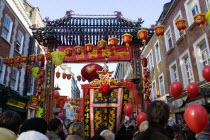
{"x":157,"y":52}
{"x":202,"y":54}
{"x":35,"y":50}
{"x":1,"y":68}
{"x":168,"y":39}
{"x":7,"y":28}
{"x":192,"y":8}
{"x":153,"y":94}
{"x":150,"y":65}
{"x":178,"y":34}
{"x":173,"y":72}
{"x":208,"y":4}
{"x":186,"y":67}
{"x":32,"y":85}
{"x":161,"y":84}
{"x":14,"y":78}
{"x":19,"y":42}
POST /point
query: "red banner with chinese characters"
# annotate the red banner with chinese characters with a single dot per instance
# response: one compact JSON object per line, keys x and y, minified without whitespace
{"x":59,"y":103}
{"x":120,"y":53}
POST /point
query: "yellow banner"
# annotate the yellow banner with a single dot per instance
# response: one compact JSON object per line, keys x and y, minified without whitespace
{"x":15,"y":103}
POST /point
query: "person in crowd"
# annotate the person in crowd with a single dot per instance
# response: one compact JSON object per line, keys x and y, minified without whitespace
{"x":107,"y":134}
{"x":6,"y":134}
{"x":32,"y":135}
{"x":10,"y":121}
{"x":61,"y":116}
{"x":101,"y":128}
{"x":122,"y":134}
{"x":36,"y":124}
{"x":74,"y":137}
{"x":76,"y":129}
{"x":157,"y":116}
{"x":97,"y":137}
{"x":54,"y":128}
{"x":143,"y":126}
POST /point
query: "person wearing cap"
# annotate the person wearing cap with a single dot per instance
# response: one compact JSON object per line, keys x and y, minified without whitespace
{"x":61,"y":117}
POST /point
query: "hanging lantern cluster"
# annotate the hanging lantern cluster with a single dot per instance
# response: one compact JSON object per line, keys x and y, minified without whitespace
{"x":143,"y":35}
{"x":68,"y":52}
{"x":146,"y":85}
{"x":181,"y":24}
{"x":159,"y":30}
{"x":40,"y":85}
{"x":113,"y":42}
{"x":127,"y":38}
{"x":89,"y":47}
{"x":101,"y":44}
{"x":48,"y":56}
{"x":16,"y":61}
{"x":78,"y":50}
{"x":79,"y":77}
{"x":64,"y":75}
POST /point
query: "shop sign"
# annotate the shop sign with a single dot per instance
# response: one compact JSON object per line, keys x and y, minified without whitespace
{"x":201,"y":102}
{"x":33,"y":99}
{"x":15,"y":103}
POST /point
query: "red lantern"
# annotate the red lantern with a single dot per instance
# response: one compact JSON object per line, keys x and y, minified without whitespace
{"x":141,"y":117}
{"x":199,"y":19}
{"x":89,"y":72}
{"x":89,"y":47}
{"x":206,"y":73}
{"x":181,"y":24}
{"x":32,"y":58}
{"x":68,"y":52}
{"x":78,"y":50}
{"x":101,"y":44}
{"x":64,"y":75}
{"x":24,"y":59}
{"x":128,"y":109}
{"x":159,"y":30}
{"x":113,"y":42}
{"x":57,"y":74}
{"x":79,"y":78}
{"x":28,"y":68}
{"x":176,"y":89}
{"x":83,"y":79}
{"x":11,"y":61}
{"x":56,"y":94}
{"x":6,"y":61}
{"x":68,"y":76}
{"x":48,"y":56}
{"x":40,"y":57}
{"x":19,"y":66}
{"x":143,"y":35}
{"x":196,"y":117}
{"x":127,"y":38}
{"x":18,"y":60}
{"x":104,"y":88}
{"x":144,"y":62}
{"x":42,"y":71}
{"x":192,"y":90}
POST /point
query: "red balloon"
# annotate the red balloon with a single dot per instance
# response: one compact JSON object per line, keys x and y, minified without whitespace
{"x":206,"y":73}
{"x":192,"y":90}
{"x":56,"y":94}
{"x":176,"y":89}
{"x":141,"y":117}
{"x":144,"y":62}
{"x":196,"y":117}
{"x":89,"y":72}
{"x":128,"y":109}
{"x":104,"y":88}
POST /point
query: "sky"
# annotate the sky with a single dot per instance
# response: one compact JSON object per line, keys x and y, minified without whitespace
{"x":148,"y":10}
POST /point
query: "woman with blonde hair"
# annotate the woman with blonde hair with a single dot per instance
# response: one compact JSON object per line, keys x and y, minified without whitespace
{"x":76,"y":129}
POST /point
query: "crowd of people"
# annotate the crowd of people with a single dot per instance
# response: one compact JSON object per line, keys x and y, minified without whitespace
{"x":157,"y":127}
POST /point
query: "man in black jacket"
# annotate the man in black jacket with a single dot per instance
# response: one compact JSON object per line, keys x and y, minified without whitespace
{"x":157,"y":116}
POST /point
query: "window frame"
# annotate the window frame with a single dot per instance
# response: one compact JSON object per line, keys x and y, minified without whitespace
{"x":2,"y":70}
{"x":153,"y":96}
{"x":161,"y":75}
{"x":21,"y":42}
{"x":157,"y":53}
{"x":14,"y":79}
{"x":166,"y":39}
{"x":174,"y":63}
{"x":152,"y":65}
{"x":189,"y":4}
{"x":183,"y":69}
{"x":198,"y":57}
{"x":8,"y":37}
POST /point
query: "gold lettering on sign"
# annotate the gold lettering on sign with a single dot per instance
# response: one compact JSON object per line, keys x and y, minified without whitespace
{"x":81,"y":55}
{"x":106,"y":53}
{"x":94,"y":53}
{"x":121,"y":54}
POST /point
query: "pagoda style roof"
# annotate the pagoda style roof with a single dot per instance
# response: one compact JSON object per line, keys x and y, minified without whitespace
{"x":79,"y":30}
